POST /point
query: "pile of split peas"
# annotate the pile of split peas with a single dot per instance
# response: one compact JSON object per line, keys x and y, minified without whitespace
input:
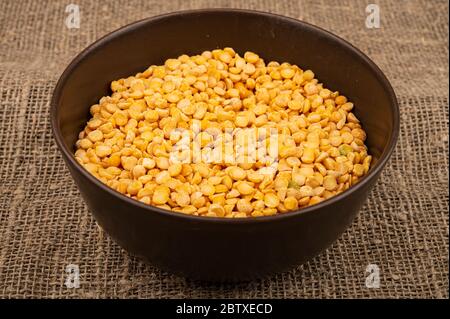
{"x":224,"y":135}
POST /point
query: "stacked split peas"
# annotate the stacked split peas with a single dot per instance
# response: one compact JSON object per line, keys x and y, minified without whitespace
{"x":224,"y":135}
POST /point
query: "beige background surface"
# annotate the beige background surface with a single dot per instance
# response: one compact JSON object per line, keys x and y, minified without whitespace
{"x":44,"y":224}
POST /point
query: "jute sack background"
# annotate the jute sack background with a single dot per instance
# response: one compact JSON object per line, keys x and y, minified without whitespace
{"x":44,"y":224}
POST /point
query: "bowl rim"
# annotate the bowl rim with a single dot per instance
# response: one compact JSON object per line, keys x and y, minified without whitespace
{"x":373,"y":172}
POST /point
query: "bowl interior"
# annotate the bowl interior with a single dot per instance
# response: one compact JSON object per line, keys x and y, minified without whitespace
{"x":132,"y":49}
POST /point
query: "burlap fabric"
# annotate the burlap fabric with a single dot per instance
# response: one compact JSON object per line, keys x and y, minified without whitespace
{"x":44,"y":224}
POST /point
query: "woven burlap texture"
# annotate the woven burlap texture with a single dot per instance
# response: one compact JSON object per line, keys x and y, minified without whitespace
{"x":45,"y":225}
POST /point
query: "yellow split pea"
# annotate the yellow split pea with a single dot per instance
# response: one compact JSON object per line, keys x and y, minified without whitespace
{"x":318,"y":150}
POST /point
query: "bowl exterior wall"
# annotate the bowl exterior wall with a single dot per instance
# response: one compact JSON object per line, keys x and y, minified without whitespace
{"x":218,"y":251}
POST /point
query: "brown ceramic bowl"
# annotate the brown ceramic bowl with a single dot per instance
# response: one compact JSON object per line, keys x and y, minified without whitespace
{"x":215,"y":248}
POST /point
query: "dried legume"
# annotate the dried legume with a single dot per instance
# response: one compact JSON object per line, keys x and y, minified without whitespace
{"x":262,"y":138}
